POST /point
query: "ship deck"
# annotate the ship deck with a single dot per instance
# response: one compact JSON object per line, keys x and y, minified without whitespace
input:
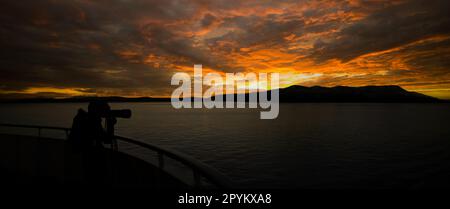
{"x":30,"y":160}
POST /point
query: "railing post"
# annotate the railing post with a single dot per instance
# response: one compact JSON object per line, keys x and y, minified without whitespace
{"x":161,"y":160}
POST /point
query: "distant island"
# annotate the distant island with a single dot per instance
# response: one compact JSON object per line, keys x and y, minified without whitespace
{"x":375,"y":94}
{"x":386,"y":94}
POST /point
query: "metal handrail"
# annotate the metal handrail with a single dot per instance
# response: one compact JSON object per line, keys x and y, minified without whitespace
{"x":199,"y":169}
{"x":66,"y":130}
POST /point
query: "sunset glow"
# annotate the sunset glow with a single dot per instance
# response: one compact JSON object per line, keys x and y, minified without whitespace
{"x":132,"y":48}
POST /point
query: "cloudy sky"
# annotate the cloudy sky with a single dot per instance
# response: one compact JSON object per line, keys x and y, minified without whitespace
{"x":133,"y":47}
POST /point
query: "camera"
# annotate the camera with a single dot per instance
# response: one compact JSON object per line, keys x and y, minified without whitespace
{"x":102,"y":109}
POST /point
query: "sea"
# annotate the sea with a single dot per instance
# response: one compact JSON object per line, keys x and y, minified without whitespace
{"x":309,"y":145}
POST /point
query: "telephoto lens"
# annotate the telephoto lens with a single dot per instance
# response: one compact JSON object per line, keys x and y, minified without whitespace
{"x":125,"y":113}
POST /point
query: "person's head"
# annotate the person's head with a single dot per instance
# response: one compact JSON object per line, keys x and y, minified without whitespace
{"x":98,"y":108}
{"x":81,"y":111}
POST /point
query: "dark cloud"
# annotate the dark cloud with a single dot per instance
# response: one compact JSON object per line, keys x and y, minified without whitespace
{"x":388,"y":28}
{"x":208,"y":19}
{"x":71,"y":45}
{"x":129,"y":46}
{"x":255,"y":30}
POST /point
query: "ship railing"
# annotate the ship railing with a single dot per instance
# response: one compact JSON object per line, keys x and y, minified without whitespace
{"x":199,"y":169}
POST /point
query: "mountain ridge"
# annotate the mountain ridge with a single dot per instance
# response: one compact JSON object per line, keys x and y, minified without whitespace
{"x":388,"y":93}
{"x":295,"y":93}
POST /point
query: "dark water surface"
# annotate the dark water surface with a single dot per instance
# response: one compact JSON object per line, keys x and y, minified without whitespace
{"x":308,"y":146}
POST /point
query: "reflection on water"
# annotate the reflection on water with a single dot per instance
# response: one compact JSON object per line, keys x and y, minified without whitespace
{"x":307,"y":146}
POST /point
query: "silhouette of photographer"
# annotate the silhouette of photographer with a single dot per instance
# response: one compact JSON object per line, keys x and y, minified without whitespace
{"x":87,"y":130}
{"x":89,"y":137}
